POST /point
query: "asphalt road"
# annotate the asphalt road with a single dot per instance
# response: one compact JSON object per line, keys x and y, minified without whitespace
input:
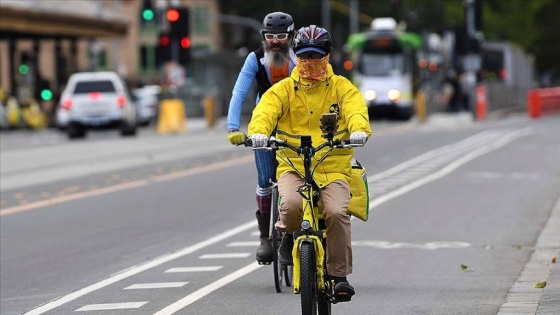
{"x":105,"y":225}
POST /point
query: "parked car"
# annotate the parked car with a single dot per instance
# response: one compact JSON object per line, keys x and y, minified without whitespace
{"x":94,"y":100}
{"x":147,"y":103}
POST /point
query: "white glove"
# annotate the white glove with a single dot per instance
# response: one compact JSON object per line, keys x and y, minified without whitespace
{"x":259,"y":140}
{"x":358,"y":137}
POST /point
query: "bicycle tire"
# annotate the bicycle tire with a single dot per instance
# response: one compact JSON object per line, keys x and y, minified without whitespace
{"x":275,"y":239}
{"x":288,"y":275}
{"x":308,"y":279}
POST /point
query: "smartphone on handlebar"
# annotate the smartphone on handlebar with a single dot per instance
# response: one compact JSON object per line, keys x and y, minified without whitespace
{"x":329,"y":124}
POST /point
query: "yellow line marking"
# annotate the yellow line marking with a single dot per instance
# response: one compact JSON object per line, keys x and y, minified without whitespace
{"x":125,"y":186}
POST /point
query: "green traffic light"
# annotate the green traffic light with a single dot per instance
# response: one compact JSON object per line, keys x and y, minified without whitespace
{"x":46,"y":95}
{"x":23,"y":69}
{"x":148,"y":14}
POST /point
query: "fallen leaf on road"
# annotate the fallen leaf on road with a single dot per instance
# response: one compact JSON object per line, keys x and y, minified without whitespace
{"x":539,"y":285}
{"x":554,"y":259}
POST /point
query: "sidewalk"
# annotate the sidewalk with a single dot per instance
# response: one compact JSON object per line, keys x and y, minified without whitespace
{"x":523,"y":297}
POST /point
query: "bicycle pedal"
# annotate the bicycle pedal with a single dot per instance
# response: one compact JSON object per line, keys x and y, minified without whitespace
{"x":343,"y":297}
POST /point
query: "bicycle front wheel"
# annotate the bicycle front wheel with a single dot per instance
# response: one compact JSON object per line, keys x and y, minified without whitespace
{"x":308,"y":279}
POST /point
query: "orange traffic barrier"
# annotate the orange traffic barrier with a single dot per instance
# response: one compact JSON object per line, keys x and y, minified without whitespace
{"x":543,"y":102}
{"x":480,"y":105}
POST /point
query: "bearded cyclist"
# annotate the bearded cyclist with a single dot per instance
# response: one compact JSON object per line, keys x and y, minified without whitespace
{"x":270,"y":63}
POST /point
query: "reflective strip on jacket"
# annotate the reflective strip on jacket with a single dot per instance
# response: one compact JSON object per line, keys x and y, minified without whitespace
{"x":295,"y":106}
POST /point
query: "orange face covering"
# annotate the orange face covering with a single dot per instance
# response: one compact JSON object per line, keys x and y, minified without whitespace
{"x":313,"y":69}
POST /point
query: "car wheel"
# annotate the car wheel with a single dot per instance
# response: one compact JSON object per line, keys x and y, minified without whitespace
{"x":76,"y":131}
{"x":127,"y":129}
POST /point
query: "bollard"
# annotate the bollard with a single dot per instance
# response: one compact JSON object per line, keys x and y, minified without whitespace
{"x":534,"y":104}
{"x":480,"y":106}
{"x":420,"y":106}
{"x":171,"y":116}
{"x":209,"y":111}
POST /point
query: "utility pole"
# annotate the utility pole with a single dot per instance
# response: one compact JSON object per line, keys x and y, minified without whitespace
{"x":353,"y":18}
{"x":326,"y":14}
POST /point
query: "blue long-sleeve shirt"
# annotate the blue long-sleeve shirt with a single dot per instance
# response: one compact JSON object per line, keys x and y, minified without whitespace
{"x":243,"y":86}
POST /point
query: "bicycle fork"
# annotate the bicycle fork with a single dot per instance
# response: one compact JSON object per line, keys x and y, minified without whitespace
{"x":309,"y":233}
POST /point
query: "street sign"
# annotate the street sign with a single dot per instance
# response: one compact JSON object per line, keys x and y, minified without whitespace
{"x":174,"y":74}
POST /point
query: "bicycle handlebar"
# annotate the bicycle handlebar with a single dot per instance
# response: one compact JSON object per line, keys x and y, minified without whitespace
{"x":275,"y":144}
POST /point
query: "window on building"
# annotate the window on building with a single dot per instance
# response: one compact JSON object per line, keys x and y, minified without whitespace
{"x":144,"y":57}
{"x":102,"y":59}
{"x":202,"y":20}
{"x":147,"y":58}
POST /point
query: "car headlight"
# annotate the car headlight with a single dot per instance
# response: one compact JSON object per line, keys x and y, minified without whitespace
{"x":370,"y":95}
{"x":394,"y":95}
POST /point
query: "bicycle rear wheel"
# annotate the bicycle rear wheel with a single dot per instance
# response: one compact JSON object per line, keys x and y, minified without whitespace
{"x":288,"y":275}
{"x":308,"y":279}
{"x":279,"y":269}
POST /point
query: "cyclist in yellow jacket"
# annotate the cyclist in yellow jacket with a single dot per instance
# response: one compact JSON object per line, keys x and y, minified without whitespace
{"x":295,"y":106}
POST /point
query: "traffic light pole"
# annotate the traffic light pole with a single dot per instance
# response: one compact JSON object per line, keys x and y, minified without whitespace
{"x":175,"y":49}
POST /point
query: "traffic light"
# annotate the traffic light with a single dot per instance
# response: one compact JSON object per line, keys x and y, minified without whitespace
{"x":43,"y":90}
{"x":148,"y":13}
{"x":172,"y":15}
{"x":185,"y":50}
{"x":179,"y":26}
{"x":46,"y":94}
{"x":179,"y":22}
{"x":163,"y":49}
{"x":23,"y":69}
{"x":24,"y":65}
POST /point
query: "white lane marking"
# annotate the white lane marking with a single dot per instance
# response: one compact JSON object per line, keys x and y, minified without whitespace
{"x":224,"y":255}
{"x":158,"y":285}
{"x":193,"y":297}
{"x":243,"y":244}
{"x":111,"y":306}
{"x":193,"y":269}
{"x":434,"y":153}
{"x":376,"y":202}
{"x":393,"y":245}
{"x":142,"y":267}
{"x":495,"y":175}
{"x":256,"y":233}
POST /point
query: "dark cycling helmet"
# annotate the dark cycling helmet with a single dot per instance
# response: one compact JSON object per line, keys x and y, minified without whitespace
{"x":278,"y":22}
{"x":312,"y":38}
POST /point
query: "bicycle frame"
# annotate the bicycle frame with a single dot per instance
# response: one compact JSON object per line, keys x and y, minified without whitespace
{"x":311,"y":231}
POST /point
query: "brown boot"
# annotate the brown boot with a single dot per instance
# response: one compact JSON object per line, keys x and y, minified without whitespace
{"x":264,"y":252}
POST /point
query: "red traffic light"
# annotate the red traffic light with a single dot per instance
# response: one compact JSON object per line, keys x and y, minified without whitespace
{"x":164,"y":40}
{"x":172,"y":15}
{"x":185,"y":42}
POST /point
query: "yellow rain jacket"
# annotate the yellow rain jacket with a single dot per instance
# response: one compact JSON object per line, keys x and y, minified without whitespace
{"x":295,"y":106}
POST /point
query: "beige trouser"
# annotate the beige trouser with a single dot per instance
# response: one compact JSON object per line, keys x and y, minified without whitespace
{"x":335,"y":197}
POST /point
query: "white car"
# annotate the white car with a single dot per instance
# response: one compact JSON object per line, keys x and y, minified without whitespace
{"x":147,"y":103}
{"x":94,"y":100}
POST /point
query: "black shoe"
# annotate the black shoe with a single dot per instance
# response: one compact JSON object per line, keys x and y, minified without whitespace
{"x":285,"y":250}
{"x":264,"y":252}
{"x":343,"y":291}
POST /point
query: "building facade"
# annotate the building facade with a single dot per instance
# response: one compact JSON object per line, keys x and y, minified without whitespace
{"x":42,"y":42}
